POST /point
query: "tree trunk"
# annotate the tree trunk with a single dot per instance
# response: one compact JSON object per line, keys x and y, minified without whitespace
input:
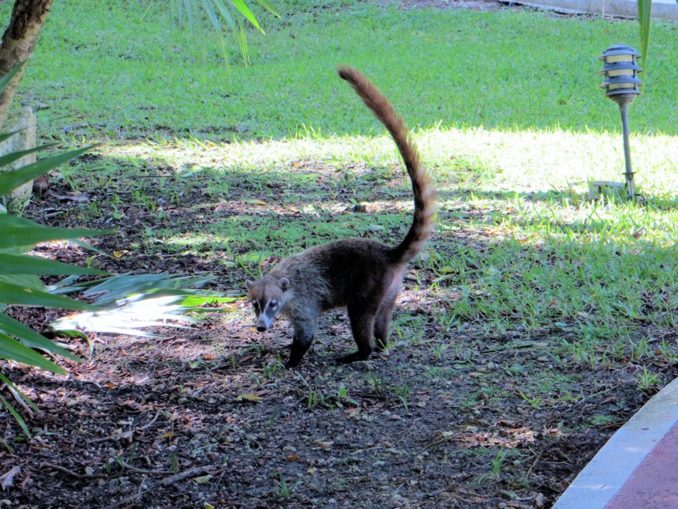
{"x":18,"y":43}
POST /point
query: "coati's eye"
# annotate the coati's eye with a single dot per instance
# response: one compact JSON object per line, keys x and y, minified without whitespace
{"x":255,"y":305}
{"x":274,"y":304}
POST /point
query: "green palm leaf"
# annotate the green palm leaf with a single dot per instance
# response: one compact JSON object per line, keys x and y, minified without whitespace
{"x":12,"y":179}
{"x":10,"y":349}
{"x":18,"y":232}
{"x":11,"y":293}
{"x":29,"y":337}
{"x":24,"y":264}
{"x":644,"y":16}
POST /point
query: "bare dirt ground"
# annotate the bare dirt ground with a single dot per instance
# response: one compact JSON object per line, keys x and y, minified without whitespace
{"x":207,"y":416}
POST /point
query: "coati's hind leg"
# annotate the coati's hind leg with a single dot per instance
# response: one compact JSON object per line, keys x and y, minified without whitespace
{"x":304,"y":332}
{"x":362,"y":326}
{"x":382,"y":321}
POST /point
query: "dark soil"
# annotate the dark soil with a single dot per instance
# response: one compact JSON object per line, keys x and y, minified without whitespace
{"x":207,"y":415}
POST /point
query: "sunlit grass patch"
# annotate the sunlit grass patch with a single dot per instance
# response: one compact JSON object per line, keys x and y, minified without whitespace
{"x":524,"y":161}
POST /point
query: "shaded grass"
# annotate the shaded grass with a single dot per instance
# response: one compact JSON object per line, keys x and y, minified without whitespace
{"x":598,"y":277}
{"x":120,"y":70}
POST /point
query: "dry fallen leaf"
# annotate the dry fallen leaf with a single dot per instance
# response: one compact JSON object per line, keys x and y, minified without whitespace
{"x":323,"y":444}
{"x":7,"y":479}
{"x":254,"y":398}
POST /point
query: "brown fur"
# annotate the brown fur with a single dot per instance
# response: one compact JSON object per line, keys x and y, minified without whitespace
{"x":361,"y":274}
{"x":41,"y":185}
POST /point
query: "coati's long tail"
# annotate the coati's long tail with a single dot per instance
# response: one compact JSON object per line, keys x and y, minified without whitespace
{"x":424,"y":194}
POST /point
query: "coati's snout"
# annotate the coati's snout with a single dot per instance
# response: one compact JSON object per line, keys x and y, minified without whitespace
{"x":268,"y":297}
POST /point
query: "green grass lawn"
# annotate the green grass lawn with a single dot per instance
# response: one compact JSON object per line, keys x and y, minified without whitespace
{"x":122,"y":69}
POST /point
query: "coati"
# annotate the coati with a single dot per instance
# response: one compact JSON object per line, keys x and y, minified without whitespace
{"x":41,"y":185}
{"x":361,"y":274}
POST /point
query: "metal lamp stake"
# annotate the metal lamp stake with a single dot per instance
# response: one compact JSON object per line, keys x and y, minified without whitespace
{"x":622,"y":85}
{"x":630,"y":189}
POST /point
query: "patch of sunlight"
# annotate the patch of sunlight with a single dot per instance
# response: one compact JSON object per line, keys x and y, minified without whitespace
{"x":523,"y":161}
{"x":620,"y":222}
{"x":131,"y":317}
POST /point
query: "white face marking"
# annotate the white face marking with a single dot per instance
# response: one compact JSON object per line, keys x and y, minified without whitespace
{"x":267,"y":300}
{"x":267,"y":314}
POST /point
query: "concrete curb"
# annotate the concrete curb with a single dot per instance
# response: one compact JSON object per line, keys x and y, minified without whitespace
{"x":623,"y":456}
{"x":613,"y":8}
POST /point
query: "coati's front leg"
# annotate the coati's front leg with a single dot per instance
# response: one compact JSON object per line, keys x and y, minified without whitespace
{"x":304,"y":332}
{"x":362,"y":326}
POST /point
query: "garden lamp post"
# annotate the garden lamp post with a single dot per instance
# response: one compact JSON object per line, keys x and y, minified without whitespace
{"x":622,"y":85}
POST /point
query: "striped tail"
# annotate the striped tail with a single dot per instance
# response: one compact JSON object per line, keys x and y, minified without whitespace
{"x":424,"y":194}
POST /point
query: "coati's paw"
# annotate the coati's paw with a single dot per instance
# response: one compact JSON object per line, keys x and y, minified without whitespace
{"x":290,"y":364}
{"x":355,"y":356}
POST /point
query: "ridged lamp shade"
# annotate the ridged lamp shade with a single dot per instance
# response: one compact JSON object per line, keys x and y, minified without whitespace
{"x":621,"y":71}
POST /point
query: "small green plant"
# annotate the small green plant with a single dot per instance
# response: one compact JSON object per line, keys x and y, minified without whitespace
{"x":282,"y":488}
{"x":273,"y":368}
{"x":343,"y":398}
{"x":534,"y":401}
{"x":439,"y":350}
{"x":342,"y":392}
{"x":403,"y":393}
{"x":377,"y":384}
{"x":666,"y":350}
{"x":314,"y":399}
{"x":640,"y":349}
{"x":497,"y":462}
{"x":646,"y":380}
{"x":602,"y":420}
{"x":584,"y":353}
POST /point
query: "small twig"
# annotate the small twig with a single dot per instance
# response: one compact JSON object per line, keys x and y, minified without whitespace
{"x":68,"y":471}
{"x":221,"y":476}
{"x":99,"y":440}
{"x":584,"y":400}
{"x":129,"y":499}
{"x":138,"y":470}
{"x":150,"y":423}
{"x":20,"y":400}
{"x":524,"y":346}
{"x":191,"y":472}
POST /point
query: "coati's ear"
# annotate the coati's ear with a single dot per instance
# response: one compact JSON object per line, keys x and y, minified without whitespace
{"x":249,"y":284}
{"x":284,"y":283}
